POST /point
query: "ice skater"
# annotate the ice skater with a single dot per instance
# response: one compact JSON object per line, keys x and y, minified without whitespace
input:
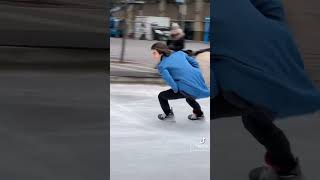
{"x":260,"y":76}
{"x":182,"y":73}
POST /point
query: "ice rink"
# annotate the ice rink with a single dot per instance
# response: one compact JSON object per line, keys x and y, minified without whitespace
{"x":144,"y":148}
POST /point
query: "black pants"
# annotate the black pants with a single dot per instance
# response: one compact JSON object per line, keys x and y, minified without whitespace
{"x":259,"y":122}
{"x":167,"y":95}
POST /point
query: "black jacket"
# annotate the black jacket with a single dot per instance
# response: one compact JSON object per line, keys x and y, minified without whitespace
{"x":176,"y":45}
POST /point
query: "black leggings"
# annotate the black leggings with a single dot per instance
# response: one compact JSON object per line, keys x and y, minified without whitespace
{"x":259,"y":122}
{"x":164,"y":96}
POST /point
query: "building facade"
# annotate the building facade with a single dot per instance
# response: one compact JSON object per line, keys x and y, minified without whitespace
{"x":190,"y":15}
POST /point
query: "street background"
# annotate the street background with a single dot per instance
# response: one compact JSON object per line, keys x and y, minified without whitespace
{"x":130,"y":53}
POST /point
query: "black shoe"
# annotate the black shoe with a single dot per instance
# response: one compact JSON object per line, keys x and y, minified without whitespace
{"x":268,"y":173}
{"x":164,"y":116}
{"x":194,"y":117}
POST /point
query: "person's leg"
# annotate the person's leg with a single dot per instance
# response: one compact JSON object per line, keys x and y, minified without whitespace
{"x":165,"y":96}
{"x":260,"y":123}
{"x":195,"y":105}
{"x":220,"y":108}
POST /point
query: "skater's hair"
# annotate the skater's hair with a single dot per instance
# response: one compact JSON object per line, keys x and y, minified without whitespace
{"x":161,"y":48}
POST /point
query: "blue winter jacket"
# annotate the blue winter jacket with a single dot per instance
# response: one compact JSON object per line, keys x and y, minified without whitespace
{"x":255,"y":56}
{"x":182,"y":73}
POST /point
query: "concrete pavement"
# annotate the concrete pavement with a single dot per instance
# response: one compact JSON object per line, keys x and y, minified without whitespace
{"x":132,"y":72}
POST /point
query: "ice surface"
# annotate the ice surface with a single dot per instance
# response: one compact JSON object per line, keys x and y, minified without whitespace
{"x":144,"y":148}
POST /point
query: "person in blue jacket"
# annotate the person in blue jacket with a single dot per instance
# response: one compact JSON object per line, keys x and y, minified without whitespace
{"x":259,"y":74}
{"x":182,"y":73}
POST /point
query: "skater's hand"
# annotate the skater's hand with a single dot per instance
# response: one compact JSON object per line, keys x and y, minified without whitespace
{"x":168,"y":78}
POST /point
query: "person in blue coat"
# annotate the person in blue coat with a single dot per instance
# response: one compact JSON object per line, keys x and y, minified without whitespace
{"x":182,"y":73}
{"x":259,"y":74}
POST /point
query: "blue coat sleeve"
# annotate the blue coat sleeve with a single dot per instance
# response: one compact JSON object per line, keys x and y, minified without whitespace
{"x":192,"y":61}
{"x":272,"y":9}
{"x":168,"y":78}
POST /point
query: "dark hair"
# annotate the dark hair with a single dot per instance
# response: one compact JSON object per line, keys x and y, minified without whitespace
{"x":161,"y":48}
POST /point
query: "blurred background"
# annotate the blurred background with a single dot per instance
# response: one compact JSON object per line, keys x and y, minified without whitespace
{"x":193,"y":16}
{"x":135,"y":25}
{"x":303,"y":19}
{"x":53,"y":95}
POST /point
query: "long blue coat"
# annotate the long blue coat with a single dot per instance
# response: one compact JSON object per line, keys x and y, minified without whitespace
{"x":255,"y":56}
{"x":182,"y":73}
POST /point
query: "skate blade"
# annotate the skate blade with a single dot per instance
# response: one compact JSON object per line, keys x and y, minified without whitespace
{"x":198,"y":119}
{"x":168,"y":119}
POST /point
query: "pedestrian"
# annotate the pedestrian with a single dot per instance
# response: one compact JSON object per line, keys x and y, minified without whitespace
{"x":259,"y":75}
{"x":176,"y":41}
{"x":182,"y":73}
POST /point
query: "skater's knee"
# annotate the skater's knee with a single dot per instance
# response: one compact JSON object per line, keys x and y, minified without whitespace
{"x":191,"y":100}
{"x":161,"y":95}
{"x":251,"y":120}
{"x":247,"y":121}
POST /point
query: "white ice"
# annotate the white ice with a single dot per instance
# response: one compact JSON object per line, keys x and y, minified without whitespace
{"x":145,"y":148}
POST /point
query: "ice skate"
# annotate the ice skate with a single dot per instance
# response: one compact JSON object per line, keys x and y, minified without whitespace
{"x":194,"y":117}
{"x":268,"y":173}
{"x":164,"y":116}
